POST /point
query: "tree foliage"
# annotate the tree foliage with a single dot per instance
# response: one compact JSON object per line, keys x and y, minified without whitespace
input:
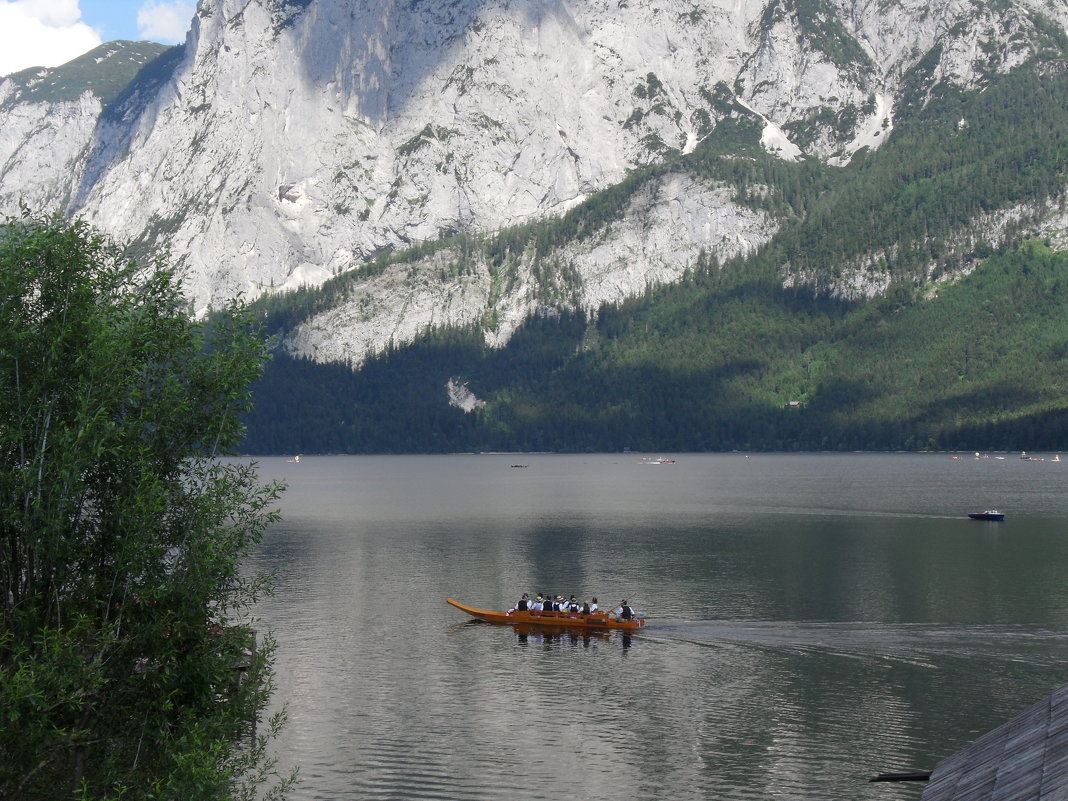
{"x":126,"y":667}
{"x":728,"y":359}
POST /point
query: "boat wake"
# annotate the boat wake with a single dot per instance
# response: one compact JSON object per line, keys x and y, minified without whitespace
{"x":912,"y":643}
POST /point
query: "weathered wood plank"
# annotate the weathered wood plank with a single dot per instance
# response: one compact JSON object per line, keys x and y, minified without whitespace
{"x":1025,"y":759}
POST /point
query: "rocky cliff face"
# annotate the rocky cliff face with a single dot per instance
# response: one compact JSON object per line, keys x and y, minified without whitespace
{"x":289,"y":140}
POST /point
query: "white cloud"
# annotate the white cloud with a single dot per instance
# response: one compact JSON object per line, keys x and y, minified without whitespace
{"x":165,"y":21}
{"x":42,"y":33}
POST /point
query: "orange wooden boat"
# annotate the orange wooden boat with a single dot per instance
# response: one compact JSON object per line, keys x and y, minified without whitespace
{"x":598,"y":620}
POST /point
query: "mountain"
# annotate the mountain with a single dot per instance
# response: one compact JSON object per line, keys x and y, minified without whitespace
{"x":48,"y":117}
{"x":482,"y":166}
{"x":907,"y":301}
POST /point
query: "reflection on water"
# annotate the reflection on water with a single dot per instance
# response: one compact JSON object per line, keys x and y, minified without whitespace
{"x":814,"y":620}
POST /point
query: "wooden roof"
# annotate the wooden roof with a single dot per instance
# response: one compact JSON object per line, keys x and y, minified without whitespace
{"x":1026,"y":759}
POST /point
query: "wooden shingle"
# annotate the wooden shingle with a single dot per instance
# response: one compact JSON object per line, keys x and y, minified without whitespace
{"x":1025,"y":759}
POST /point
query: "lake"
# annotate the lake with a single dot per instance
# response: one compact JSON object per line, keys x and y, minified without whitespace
{"x":813,"y":620}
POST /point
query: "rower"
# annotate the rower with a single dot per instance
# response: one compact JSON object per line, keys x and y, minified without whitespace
{"x":522,"y":605}
{"x":623,"y":611}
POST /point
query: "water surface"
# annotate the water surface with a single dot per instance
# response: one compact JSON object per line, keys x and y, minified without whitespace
{"x":814,"y":620}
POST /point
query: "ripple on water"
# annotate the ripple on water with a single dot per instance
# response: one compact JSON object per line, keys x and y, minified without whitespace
{"x":392,"y":695}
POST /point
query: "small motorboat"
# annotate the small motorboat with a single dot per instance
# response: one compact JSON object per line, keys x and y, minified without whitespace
{"x":989,"y":514}
{"x":557,"y":620}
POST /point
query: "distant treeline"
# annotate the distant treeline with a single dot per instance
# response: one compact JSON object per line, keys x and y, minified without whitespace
{"x":984,"y":366}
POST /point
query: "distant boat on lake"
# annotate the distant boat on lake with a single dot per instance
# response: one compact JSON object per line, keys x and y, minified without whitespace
{"x":989,"y":514}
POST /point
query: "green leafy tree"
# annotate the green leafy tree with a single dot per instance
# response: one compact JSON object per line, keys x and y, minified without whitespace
{"x":128,"y":668}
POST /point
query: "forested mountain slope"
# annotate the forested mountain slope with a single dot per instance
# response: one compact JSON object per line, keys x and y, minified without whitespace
{"x":588,"y":224}
{"x":916,"y":298}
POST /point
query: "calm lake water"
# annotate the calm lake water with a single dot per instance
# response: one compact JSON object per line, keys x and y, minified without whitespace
{"x":813,"y":620}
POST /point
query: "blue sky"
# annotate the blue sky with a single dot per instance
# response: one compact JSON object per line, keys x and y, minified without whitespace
{"x":47,"y":33}
{"x":115,"y":19}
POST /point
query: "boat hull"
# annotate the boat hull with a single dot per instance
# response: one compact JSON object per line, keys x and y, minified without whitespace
{"x":995,"y":516}
{"x":598,"y":621}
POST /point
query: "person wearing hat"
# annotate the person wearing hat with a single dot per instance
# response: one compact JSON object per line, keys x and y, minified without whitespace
{"x":623,"y":611}
{"x":539,"y":603}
